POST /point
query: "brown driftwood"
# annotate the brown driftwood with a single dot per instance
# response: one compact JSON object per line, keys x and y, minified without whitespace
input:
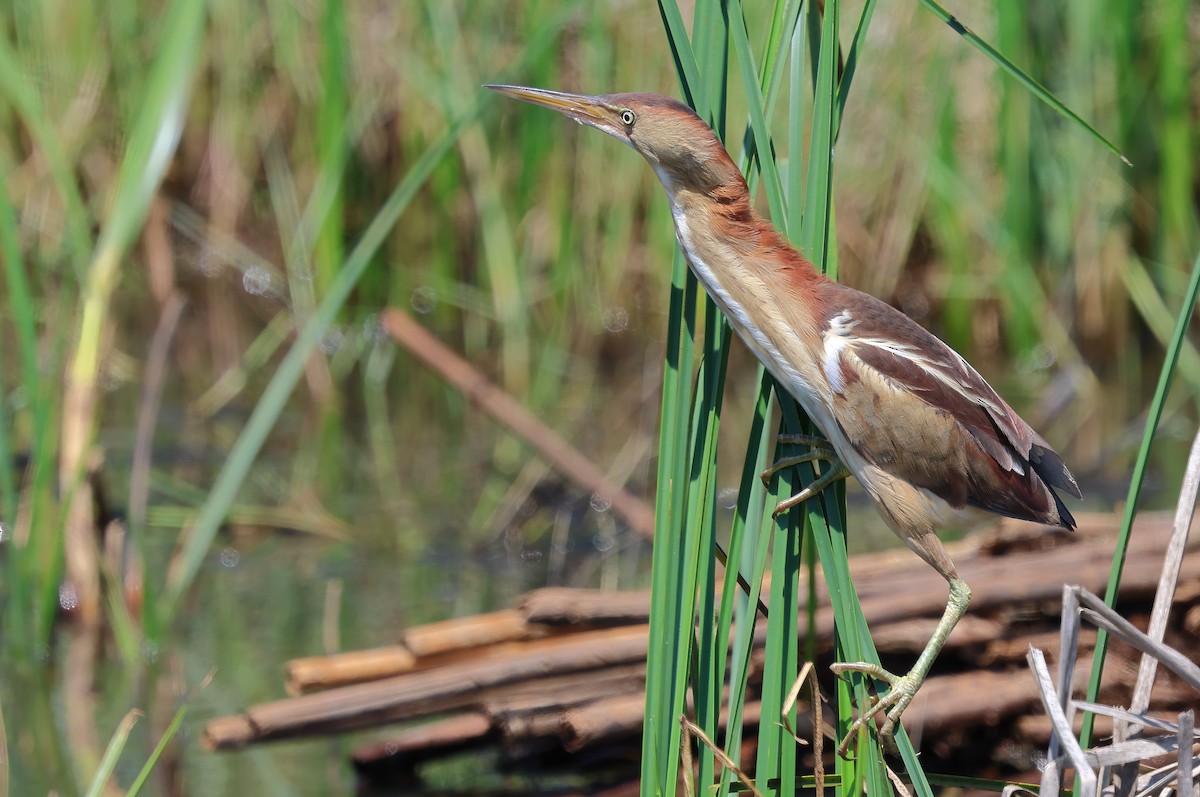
{"x":602,"y":720}
{"x":426,"y":692}
{"x":463,"y":633}
{"x":561,"y":692}
{"x":1018,"y":564}
{"x":563,"y":673}
{"x":426,"y":646}
{"x":324,"y":672}
{"x":420,"y":743}
{"x":562,"y":606}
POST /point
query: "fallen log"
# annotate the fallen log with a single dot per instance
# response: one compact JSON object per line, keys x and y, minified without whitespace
{"x":427,"y":692}
{"x":562,"y":673}
{"x":397,"y":758}
{"x":602,"y":720}
{"x":556,"y":694}
{"x":324,"y":672}
{"x":464,"y":633}
{"x":562,"y":606}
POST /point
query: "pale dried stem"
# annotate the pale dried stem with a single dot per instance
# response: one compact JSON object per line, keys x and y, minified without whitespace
{"x":690,"y":727}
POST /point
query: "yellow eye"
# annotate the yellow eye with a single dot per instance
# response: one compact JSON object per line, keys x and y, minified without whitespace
{"x":628,"y":117}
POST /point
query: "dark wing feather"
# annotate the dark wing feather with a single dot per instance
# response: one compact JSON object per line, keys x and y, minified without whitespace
{"x":917,"y":408}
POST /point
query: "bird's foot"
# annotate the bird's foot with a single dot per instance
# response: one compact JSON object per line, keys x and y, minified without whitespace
{"x":819,"y":450}
{"x":901,"y":690}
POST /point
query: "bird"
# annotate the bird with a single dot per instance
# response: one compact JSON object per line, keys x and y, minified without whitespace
{"x":930,"y":441}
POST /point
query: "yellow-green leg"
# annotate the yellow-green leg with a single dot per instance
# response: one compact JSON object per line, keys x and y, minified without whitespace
{"x":902,"y":689}
{"x":819,"y":450}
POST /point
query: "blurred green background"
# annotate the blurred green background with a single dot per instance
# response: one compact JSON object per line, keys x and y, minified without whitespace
{"x":186,"y":182}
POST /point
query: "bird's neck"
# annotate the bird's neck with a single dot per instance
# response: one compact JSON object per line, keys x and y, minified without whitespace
{"x":720,"y":227}
{"x":766,"y":289}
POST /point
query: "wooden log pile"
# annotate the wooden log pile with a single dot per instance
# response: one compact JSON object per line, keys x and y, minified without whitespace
{"x":559,"y":679}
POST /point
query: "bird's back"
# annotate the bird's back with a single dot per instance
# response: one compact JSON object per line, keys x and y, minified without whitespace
{"x":913,"y":407}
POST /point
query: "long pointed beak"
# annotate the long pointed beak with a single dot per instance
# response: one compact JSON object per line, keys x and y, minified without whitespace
{"x":584,"y":109}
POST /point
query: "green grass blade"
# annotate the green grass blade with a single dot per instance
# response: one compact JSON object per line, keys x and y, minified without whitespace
{"x":199,"y":538}
{"x":852,"y":56}
{"x":1165,"y":377}
{"x":1035,"y":88}
{"x":685,"y":60}
{"x":814,"y":233}
{"x":20,"y":90}
{"x":169,"y":734}
{"x":5,"y":756}
{"x":739,"y":612}
{"x":774,"y":62}
{"x":758,"y":121}
{"x":795,"y":134}
{"x":664,"y":692}
{"x":112,"y":753}
{"x":776,"y":748}
{"x":151,"y":146}
{"x":190,"y":555}
{"x":700,"y":528}
{"x":159,"y":124}
{"x":710,"y":46}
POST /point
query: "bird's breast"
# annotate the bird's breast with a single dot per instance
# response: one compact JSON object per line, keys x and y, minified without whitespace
{"x":754,"y":306}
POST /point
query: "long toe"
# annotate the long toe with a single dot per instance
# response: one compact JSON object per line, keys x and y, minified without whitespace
{"x":901,"y":691}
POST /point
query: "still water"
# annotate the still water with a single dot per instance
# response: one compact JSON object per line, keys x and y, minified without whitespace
{"x":261,"y":600}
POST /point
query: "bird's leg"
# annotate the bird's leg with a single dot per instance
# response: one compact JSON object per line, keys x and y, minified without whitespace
{"x":819,"y":450}
{"x":836,"y":472}
{"x":902,"y":688}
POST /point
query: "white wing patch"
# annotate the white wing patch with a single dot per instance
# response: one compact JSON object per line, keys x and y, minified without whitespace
{"x":841,"y":335}
{"x":841,"y":329}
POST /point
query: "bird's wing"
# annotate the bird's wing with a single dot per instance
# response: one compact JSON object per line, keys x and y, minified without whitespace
{"x":914,"y":407}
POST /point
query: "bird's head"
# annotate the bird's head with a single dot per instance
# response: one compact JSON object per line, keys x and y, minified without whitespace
{"x":683,"y":150}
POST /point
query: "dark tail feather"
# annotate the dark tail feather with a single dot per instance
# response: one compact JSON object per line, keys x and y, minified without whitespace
{"x":1053,"y":471}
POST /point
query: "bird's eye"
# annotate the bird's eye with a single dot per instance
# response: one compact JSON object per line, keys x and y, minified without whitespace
{"x":628,"y":117}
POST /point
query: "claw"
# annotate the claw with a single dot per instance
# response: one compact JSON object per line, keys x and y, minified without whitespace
{"x":783,"y":463}
{"x":819,"y":449}
{"x":903,"y":688}
{"x":901,"y":691}
{"x":838,"y":471}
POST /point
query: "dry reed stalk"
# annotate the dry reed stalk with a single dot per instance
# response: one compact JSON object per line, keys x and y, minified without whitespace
{"x":509,"y":412}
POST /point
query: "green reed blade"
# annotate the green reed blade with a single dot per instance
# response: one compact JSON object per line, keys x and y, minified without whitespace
{"x":758,"y":121}
{"x":1024,"y":79}
{"x":1165,"y":377}
{"x":169,"y":734}
{"x":112,"y":753}
{"x":186,"y":563}
{"x":685,"y":60}
{"x":188,"y":558}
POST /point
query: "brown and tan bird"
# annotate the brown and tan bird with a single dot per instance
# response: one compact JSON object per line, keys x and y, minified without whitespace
{"x":928,"y":438}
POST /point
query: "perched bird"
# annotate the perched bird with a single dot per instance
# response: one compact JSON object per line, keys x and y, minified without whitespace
{"x":928,"y":438}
